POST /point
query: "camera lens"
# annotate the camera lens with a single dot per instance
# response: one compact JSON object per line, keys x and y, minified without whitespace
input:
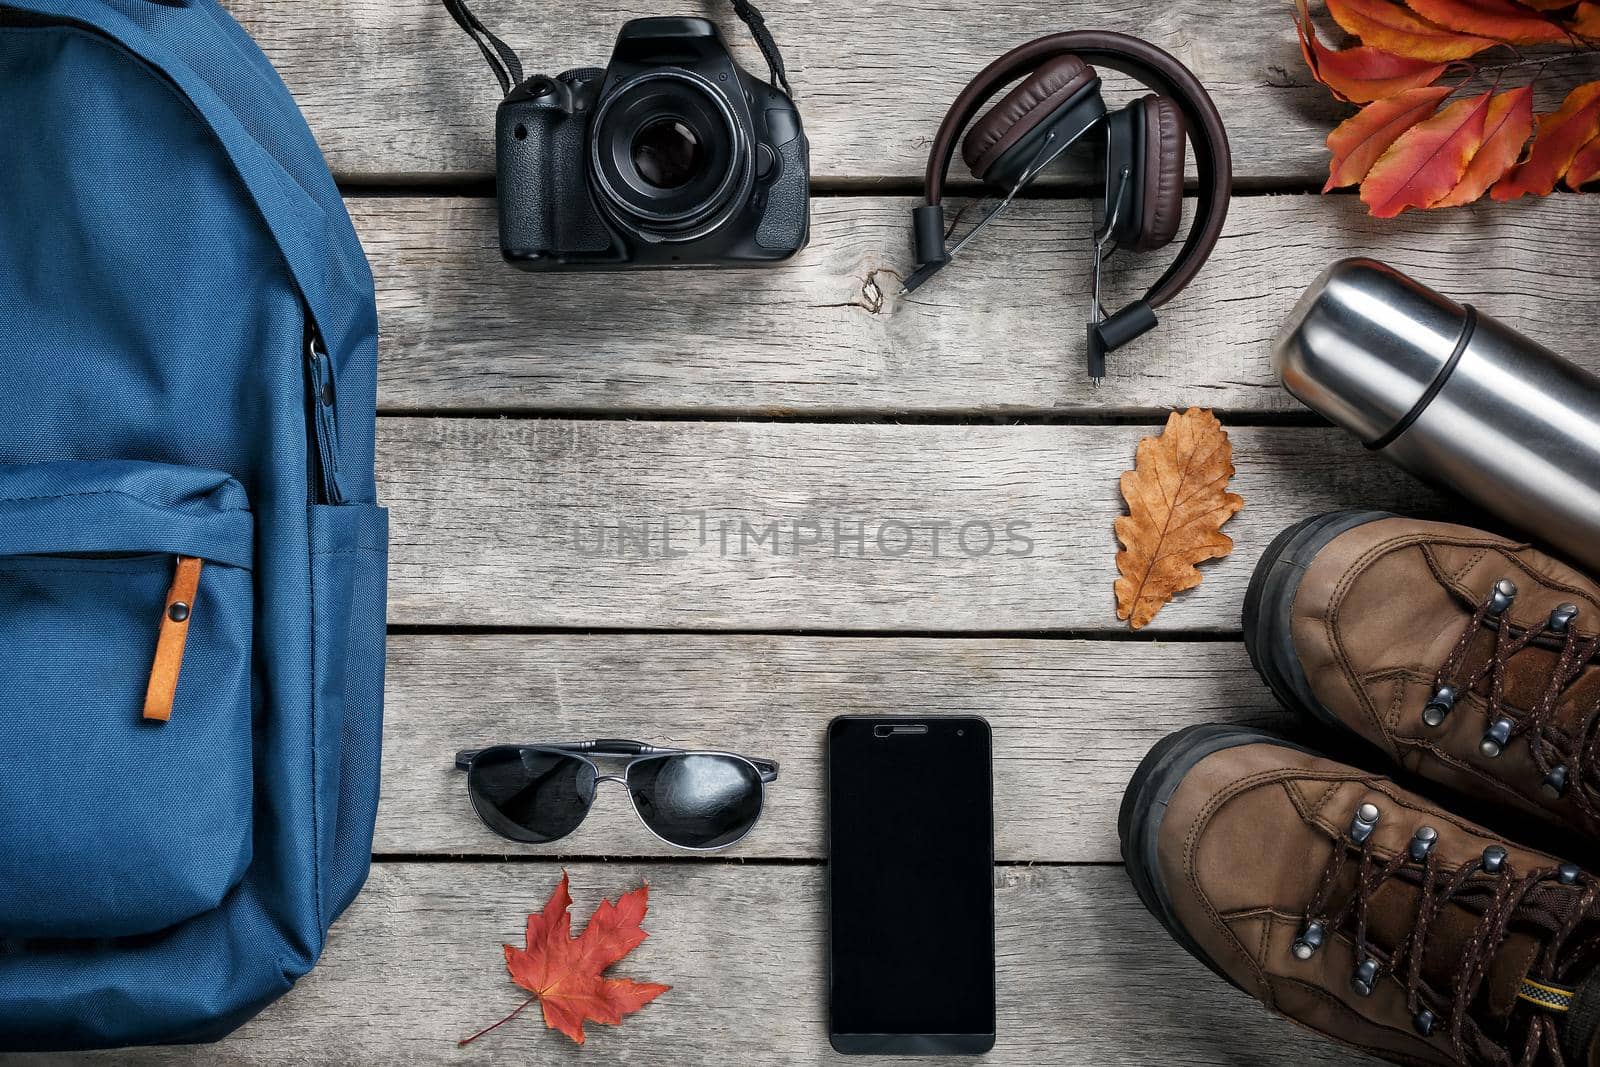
{"x":669,"y":159}
{"x":667,"y":153}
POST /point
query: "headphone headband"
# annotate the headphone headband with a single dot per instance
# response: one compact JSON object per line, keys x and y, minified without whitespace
{"x":1152,"y":67}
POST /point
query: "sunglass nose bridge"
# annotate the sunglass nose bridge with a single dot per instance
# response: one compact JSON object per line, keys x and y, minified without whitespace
{"x":618,"y":778}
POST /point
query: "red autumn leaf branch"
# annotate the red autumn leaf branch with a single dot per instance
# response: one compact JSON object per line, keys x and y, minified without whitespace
{"x":1438,"y":127}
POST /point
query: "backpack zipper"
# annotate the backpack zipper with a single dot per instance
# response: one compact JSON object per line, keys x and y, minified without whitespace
{"x":324,"y":455}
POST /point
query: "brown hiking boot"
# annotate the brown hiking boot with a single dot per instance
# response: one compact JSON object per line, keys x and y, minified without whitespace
{"x":1361,"y":910}
{"x":1465,"y":657}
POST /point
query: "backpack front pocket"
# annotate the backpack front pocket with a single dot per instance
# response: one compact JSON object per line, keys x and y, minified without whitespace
{"x":126,"y":763}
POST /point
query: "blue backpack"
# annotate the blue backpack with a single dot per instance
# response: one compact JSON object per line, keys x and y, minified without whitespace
{"x":191,"y":562}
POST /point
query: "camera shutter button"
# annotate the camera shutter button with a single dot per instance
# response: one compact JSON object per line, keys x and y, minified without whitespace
{"x":766,"y":160}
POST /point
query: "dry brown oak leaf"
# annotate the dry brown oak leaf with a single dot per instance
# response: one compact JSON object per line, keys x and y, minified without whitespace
{"x":1178,"y":499}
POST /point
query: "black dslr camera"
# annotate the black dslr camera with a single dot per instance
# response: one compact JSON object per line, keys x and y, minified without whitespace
{"x":670,"y":157}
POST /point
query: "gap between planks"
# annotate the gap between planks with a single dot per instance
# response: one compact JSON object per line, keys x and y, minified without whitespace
{"x":400,"y":859}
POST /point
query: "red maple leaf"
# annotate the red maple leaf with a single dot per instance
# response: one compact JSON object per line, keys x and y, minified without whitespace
{"x":563,"y":973}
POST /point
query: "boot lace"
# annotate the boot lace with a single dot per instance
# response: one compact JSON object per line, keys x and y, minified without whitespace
{"x":1548,"y":902}
{"x":1564,"y":757}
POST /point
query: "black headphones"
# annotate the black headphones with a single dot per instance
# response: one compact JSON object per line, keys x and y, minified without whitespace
{"x":1056,"y":104}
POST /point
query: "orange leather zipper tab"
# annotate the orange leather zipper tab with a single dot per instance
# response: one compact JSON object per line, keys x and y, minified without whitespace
{"x":163,"y":690}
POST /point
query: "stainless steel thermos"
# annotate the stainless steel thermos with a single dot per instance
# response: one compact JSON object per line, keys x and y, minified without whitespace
{"x":1453,"y":397}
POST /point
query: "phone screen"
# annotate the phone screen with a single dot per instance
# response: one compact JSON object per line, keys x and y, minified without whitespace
{"x":911,"y":885}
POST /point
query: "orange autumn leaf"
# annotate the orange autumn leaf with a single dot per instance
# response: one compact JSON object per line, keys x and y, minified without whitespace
{"x":1359,"y":140}
{"x":1559,"y":137}
{"x":1403,"y":152}
{"x":563,"y":973}
{"x":1360,"y":74}
{"x":1177,"y":503}
{"x":1427,"y":161}
{"x":1505,"y":130}
{"x":1499,"y":19}
{"x":1388,"y":26}
{"x":1585,"y":165}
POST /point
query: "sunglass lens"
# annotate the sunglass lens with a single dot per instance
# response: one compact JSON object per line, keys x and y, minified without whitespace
{"x":695,"y":800}
{"x":530,"y":795}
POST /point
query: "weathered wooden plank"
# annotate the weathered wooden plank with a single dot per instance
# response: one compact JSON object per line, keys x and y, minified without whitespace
{"x":786,"y":526}
{"x":393,"y":89}
{"x":1071,"y":720}
{"x":1000,"y":334}
{"x":1085,"y":976}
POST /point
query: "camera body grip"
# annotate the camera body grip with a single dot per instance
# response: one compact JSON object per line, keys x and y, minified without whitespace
{"x":545,"y":208}
{"x":786,"y":219}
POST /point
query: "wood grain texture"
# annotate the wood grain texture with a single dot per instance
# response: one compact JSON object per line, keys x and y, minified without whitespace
{"x":788,"y":526}
{"x":1071,"y":721}
{"x":1002,"y":334}
{"x":394,"y":90}
{"x":1085,"y":976}
{"x":495,"y":525}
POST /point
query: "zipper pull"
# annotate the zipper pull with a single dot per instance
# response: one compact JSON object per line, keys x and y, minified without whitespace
{"x":323,"y":397}
{"x":179,"y":609}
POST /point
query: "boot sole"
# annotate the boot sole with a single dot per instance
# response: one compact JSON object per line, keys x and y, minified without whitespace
{"x":1144,"y":806}
{"x":1268,"y":603}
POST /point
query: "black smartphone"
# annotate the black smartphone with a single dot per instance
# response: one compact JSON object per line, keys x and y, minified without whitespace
{"x":910,"y":885}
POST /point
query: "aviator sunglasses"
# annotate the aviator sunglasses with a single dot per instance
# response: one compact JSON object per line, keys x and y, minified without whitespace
{"x":541,"y":793}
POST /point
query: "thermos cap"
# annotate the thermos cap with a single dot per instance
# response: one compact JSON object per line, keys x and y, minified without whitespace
{"x":1364,"y":344}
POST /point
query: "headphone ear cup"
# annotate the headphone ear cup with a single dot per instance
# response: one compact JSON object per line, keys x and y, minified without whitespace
{"x":1124,"y":196}
{"x":1162,"y":200}
{"x":999,"y":145}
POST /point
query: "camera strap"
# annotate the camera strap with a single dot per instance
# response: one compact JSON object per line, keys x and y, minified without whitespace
{"x":507,"y":66}
{"x":503,"y":59}
{"x":751,"y":16}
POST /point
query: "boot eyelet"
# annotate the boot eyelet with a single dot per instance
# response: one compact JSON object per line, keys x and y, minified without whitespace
{"x":1495,"y":737}
{"x":1505,"y":591}
{"x":1439,"y":705}
{"x":1562,"y":617}
{"x":1423,"y":1021}
{"x":1554,"y":785}
{"x":1494,"y":859}
{"x":1364,"y":822}
{"x":1422,"y":843}
{"x":1365,"y":977}
{"x":1568,"y":873}
{"x":1309,"y":941}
